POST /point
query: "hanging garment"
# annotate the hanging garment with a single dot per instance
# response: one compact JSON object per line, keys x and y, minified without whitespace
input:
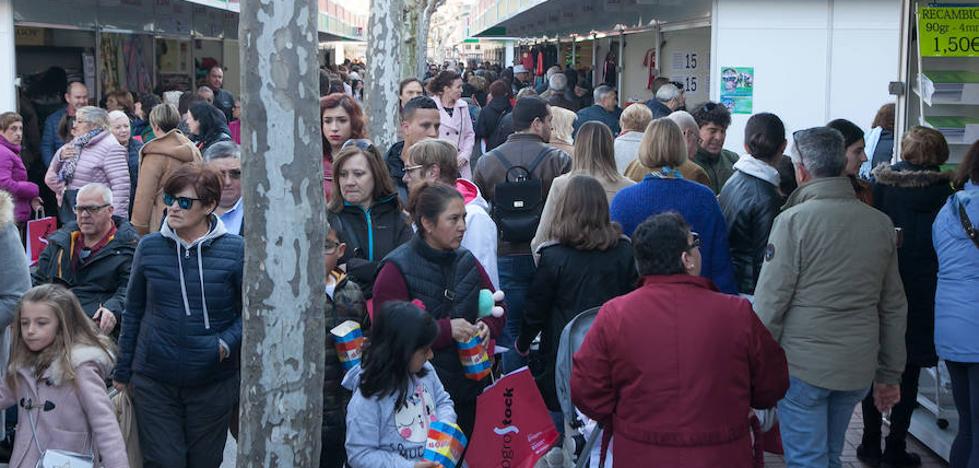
{"x":649,"y":61}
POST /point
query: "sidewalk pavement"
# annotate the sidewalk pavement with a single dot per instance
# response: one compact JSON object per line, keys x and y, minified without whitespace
{"x":853,"y":435}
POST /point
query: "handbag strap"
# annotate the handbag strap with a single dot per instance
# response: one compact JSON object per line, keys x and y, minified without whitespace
{"x":970,"y":230}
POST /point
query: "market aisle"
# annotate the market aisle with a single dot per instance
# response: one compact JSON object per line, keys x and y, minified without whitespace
{"x":853,"y":433}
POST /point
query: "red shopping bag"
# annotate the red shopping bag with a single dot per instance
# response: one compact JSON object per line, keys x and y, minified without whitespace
{"x":38,"y":231}
{"x":513,"y":428}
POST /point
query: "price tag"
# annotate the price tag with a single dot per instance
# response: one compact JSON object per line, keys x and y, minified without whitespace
{"x":948,"y":32}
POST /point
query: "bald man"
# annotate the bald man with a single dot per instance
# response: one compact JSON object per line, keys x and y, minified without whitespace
{"x":75,"y":97}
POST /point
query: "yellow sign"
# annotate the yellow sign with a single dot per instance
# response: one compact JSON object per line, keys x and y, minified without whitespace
{"x":26,"y":36}
{"x":948,"y":32}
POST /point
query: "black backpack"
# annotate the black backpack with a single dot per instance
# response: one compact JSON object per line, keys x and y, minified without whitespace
{"x":519,"y":200}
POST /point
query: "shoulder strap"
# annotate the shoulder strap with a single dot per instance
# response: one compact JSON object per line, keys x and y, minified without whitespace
{"x":507,"y":165}
{"x":540,"y":158}
{"x":449,"y":294}
{"x":967,"y":225}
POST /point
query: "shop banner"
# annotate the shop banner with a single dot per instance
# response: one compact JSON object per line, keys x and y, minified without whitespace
{"x":948,"y":32}
{"x":737,"y":89}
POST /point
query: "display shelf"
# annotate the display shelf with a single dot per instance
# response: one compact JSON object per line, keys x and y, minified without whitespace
{"x":949,"y":87}
{"x":958,"y":130}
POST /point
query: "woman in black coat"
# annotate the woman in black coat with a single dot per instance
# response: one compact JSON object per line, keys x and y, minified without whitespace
{"x":492,"y":114}
{"x":587,"y":262}
{"x":209,"y":125}
{"x":911,"y":192}
{"x":369,"y":210}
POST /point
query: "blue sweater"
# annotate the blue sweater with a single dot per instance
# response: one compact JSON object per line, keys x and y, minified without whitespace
{"x":697,"y":204}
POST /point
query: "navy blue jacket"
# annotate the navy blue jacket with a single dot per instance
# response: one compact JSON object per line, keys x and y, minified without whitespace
{"x":168,"y":333}
{"x":50,"y":141}
{"x":597,"y":112}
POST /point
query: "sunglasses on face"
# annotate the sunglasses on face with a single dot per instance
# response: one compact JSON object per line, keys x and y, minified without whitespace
{"x":90,"y":210}
{"x":696,"y":241}
{"x":183,"y":202}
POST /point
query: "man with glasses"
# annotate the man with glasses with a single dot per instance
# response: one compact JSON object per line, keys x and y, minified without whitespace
{"x":92,"y":257}
{"x":419,"y":120}
{"x":713,"y":120}
{"x":225,"y":158}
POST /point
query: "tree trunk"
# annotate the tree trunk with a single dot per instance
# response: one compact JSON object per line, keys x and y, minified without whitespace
{"x":421,"y":31}
{"x":284,"y":331}
{"x":409,"y":46}
{"x":384,"y":32}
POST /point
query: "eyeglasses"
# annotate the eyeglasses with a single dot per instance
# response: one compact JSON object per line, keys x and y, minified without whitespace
{"x":410,"y":169}
{"x":696,"y":241}
{"x":90,"y":210}
{"x":234,"y":174}
{"x":361,"y":143}
{"x":183,"y":202}
{"x":330,"y":248}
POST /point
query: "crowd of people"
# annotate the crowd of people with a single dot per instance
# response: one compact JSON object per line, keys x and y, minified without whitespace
{"x":807,"y":274}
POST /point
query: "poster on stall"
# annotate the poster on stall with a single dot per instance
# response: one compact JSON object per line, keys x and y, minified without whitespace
{"x":737,"y":89}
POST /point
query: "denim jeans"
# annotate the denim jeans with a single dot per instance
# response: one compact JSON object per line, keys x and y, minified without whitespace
{"x":813,"y":422}
{"x":516,"y":273}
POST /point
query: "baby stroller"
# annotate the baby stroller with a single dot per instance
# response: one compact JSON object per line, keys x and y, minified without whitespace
{"x":580,"y":435}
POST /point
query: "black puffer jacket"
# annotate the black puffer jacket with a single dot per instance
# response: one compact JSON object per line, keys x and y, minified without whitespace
{"x":490,"y":120}
{"x":568,"y":282}
{"x":347,"y":303}
{"x":912,"y":196}
{"x":370,"y":235}
{"x":749,"y":205}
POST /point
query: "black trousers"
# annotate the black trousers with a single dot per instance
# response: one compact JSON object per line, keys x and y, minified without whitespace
{"x":900,"y":414}
{"x":183,"y":427}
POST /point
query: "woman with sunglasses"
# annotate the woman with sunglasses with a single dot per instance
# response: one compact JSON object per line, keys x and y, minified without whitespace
{"x":662,"y":151}
{"x":341,"y":119}
{"x":93,"y":156}
{"x":369,"y":209}
{"x":158,"y":160}
{"x":182,"y":363}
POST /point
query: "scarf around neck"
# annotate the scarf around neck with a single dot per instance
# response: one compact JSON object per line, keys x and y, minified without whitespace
{"x":67,"y":171}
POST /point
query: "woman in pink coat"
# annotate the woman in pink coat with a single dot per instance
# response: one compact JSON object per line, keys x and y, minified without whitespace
{"x":13,"y":174}
{"x":67,"y":408}
{"x":94,"y":155}
{"x":456,"y":126}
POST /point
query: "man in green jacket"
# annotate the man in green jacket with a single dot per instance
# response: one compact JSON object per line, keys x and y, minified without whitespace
{"x":830,"y":293}
{"x":713,"y":120}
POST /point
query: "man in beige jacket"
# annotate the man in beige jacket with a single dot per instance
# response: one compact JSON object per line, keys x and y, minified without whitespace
{"x":831,"y":295}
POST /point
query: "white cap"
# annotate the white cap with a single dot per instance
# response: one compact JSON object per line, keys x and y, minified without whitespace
{"x":519,"y":69}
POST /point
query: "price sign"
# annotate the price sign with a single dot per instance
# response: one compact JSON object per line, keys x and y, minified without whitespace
{"x":948,"y":32}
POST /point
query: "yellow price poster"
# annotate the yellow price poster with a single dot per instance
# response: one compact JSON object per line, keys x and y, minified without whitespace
{"x":948,"y":32}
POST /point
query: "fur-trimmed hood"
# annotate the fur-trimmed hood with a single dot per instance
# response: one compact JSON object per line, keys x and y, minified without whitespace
{"x":81,"y":354}
{"x":6,"y":209}
{"x":905,"y":175}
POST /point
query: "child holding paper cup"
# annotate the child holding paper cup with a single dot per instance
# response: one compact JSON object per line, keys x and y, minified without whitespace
{"x":344,"y":313}
{"x":397,"y":395}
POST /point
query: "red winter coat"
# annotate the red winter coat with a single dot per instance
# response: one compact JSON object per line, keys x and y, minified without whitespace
{"x":674,"y":367}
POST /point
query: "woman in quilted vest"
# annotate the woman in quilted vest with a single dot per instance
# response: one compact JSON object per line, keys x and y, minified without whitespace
{"x":446,"y":279}
{"x":93,"y":156}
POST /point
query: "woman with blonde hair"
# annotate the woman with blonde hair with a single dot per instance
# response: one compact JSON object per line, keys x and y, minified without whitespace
{"x":562,"y":126}
{"x":634,"y":120}
{"x":596,"y":158}
{"x":663,"y":150}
